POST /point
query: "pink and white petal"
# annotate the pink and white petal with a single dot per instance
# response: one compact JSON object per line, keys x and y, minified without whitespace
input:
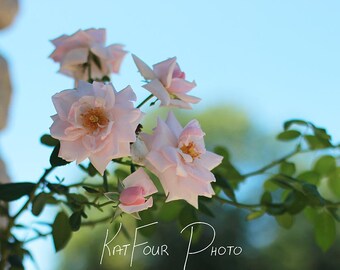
{"x":192,"y":129}
{"x":180,"y":86}
{"x":58,"y":127}
{"x":106,"y":92}
{"x":171,"y":154}
{"x":164,"y":71}
{"x":116,"y":57}
{"x":198,"y":188}
{"x":124,"y":132}
{"x":97,"y":35}
{"x":140,"y":178}
{"x":175,"y":188}
{"x":158,"y":90}
{"x":144,"y":69}
{"x":209,"y":160}
{"x":147,"y":138}
{"x":74,"y":133}
{"x":191,"y":198}
{"x":59,"y":40}
{"x":158,"y":161}
{"x":178,"y":103}
{"x":58,"y":53}
{"x":163,"y":136}
{"x":73,"y":150}
{"x":124,"y":150}
{"x":173,"y":124}
{"x":86,"y":88}
{"x":100,"y":51}
{"x":127,"y":94}
{"x":136,"y":208}
{"x":188,"y":98}
{"x":123,"y":115}
{"x":200,"y":174}
{"x":100,"y":160}
{"x":74,"y":57}
{"x":63,"y":101}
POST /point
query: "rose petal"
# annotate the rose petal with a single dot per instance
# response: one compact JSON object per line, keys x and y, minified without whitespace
{"x":144,"y":69}
{"x":136,"y":208}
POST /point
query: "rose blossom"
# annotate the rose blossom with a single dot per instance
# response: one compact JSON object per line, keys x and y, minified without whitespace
{"x":167,"y":83}
{"x":95,"y":121}
{"x":77,"y":52}
{"x":137,"y":186}
{"x":179,"y":158}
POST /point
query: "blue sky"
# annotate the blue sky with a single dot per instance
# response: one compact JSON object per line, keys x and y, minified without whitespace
{"x":275,"y":59}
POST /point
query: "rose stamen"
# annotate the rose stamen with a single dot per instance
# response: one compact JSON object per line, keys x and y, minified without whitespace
{"x":94,"y":118}
{"x":190,"y":150}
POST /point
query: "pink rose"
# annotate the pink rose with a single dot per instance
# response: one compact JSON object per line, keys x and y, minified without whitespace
{"x":77,"y":52}
{"x":137,"y":187}
{"x":167,"y":83}
{"x":179,"y":158}
{"x":95,"y":121}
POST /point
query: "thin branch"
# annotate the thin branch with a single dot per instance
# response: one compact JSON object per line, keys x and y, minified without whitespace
{"x":105,"y":183}
{"x":94,"y":222}
{"x":237,"y":204}
{"x":31,"y":196}
{"x":144,"y":101}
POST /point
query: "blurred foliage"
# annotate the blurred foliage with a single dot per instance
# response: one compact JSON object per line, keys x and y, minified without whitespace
{"x":275,"y":193}
{"x":288,"y":191}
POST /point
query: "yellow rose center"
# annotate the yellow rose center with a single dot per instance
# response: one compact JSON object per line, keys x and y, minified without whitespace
{"x":94,"y":118}
{"x":190,"y":149}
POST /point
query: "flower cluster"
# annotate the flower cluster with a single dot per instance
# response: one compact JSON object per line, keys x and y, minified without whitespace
{"x":97,"y":122}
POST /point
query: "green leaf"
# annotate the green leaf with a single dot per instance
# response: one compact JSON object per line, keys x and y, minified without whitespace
{"x":222,"y":151}
{"x":321,"y":133}
{"x":288,"y":135}
{"x":295,"y":202}
{"x":270,"y":186}
{"x":275,"y":209}
{"x":310,"y":214}
{"x":92,"y":171}
{"x":76,"y":201}
{"x":311,"y":177}
{"x":14,"y":191}
{"x":170,"y":211}
{"x":55,"y":160}
{"x":334,"y":183}
{"x":146,"y":217}
{"x":299,"y":122}
{"x":325,"y":165}
{"x":313,"y":196}
{"x":316,"y":142}
{"x":61,"y":231}
{"x":112,"y":196}
{"x":58,"y":188}
{"x":78,"y":198}
{"x":255,"y":215}
{"x":48,"y":140}
{"x":75,"y":221}
{"x":132,"y":168}
{"x":205,"y":209}
{"x":266,"y":198}
{"x":286,"y":182}
{"x":286,"y":220}
{"x":325,"y":230}
{"x":226,"y":187}
{"x":287,"y":168}
{"x":91,"y":190}
{"x":40,"y":201}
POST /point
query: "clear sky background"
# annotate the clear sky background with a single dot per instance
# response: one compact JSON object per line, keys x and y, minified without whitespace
{"x":275,"y":59}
